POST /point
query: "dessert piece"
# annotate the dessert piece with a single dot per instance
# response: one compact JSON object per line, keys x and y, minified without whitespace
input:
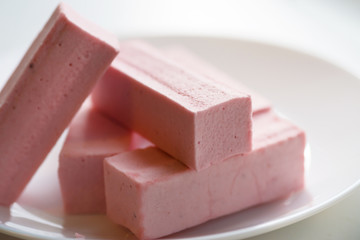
{"x":154,"y":195}
{"x":190,"y":60}
{"x":45,"y":91}
{"x":91,"y":137}
{"x":194,"y":119}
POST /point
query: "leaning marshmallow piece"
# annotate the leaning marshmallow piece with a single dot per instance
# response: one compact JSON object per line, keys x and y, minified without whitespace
{"x":194,"y":119}
{"x":91,"y":137}
{"x":154,"y":195}
{"x":45,"y":91}
{"x":190,"y":60}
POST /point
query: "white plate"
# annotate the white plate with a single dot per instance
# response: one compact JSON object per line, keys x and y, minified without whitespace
{"x":317,"y":95}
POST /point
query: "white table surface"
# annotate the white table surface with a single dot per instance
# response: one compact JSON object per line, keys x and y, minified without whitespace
{"x":327,"y":29}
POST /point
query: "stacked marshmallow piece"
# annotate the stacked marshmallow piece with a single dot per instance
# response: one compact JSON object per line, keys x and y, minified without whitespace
{"x":150,"y":192}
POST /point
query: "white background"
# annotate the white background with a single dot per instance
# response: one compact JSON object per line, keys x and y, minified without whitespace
{"x":327,"y":29}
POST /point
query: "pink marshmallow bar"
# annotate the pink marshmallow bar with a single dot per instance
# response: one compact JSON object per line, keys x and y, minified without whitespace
{"x":43,"y":94}
{"x":154,"y":195}
{"x":91,"y":137}
{"x":194,"y":119}
{"x":190,"y":60}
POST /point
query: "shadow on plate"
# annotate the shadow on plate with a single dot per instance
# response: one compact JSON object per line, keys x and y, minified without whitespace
{"x":94,"y":227}
{"x":4,"y":214}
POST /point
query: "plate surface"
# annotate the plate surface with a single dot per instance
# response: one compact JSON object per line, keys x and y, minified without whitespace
{"x":320,"y":97}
